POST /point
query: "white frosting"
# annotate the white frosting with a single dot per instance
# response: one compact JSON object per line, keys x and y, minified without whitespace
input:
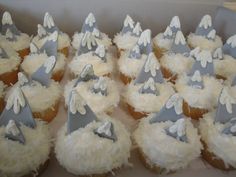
{"x":100,"y":155}
{"x":175,"y":22}
{"x":97,"y":102}
{"x":34,"y":61}
{"x":77,"y":37}
{"x":20,"y":159}
{"x":137,"y":29}
{"x":105,"y":128}
{"x":212,"y":34}
{"x":41,"y":31}
{"x":204,"y":43}
{"x":179,"y":127}
{"x":232,"y":41}
{"x":204,"y":57}
{"x":6,"y":19}
{"x":205,"y":98}
{"x":48,"y":21}
{"x":177,"y":63}
{"x":100,"y":67}
{"x":77,"y":103}
{"x":179,"y":38}
{"x":205,"y":22}
{"x":145,"y":38}
{"x":222,"y":145}
{"x":196,"y":76}
{"x":147,"y":102}
{"x":194,"y":52}
{"x":2,"y":88}
{"x":218,"y":53}
{"x":151,"y":65}
{"x":12,"y":129}
{"x":162,"y":42}
{"x":40,"y":97}
{"x":22,"y":42}
{"x":130,"y":66}
{"x":150,"y":84}
{"x":16,"y":100}
{"x":10,"y":64}
{"x":221,"y":65}
{"x":125,"y":41}
{"x":175,"y":101}
{"x":165,"y":151}
{"x":90,"y":20}
{"x":227,"y":100}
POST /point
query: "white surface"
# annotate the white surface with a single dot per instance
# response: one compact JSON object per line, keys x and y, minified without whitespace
{"x":197,"y":168}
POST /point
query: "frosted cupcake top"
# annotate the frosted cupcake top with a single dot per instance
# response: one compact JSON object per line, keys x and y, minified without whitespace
{"x":23,"y":135}
{"x":217,"y":128}
{"x":90,"y":25}
{"x":129,"y":34}
{"x":49,"y":27}
{"x":16,"y":39}
{"x":167,"y":138}
{"x":83,"y":130}
{"x":205,"y":35}
{"x":9,"y":59}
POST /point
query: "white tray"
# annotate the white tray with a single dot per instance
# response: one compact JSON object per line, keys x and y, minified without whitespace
{"x":197,"y":168}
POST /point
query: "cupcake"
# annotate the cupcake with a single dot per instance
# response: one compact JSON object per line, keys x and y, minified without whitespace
{"x":90,"y":25}
{"x":205,"y":35}
{"x":9,"y":64}
{"x":149,"y":91}
{"x":16,"y":39}
{"x":101,"y":93}
{"x":2,"y":93}
{"x":25,"y":142}
{"x":131,"y":61}
{"x":42,"y":93}
{"x":178,"y":60}
{"x":128,"y":36}
{"x":162,"y":42}
{"x":225,"y":59}
{"x":39,"y":55}
{"x":92,"y":53}
{"x":218,"y":133}
{"x":48,"y":28}
{"x":199,"y":87}
{"x":91,"y":144}
{"x":166,"y":140}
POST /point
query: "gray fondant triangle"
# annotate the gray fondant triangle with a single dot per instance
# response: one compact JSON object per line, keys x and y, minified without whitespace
{"x":100,"y":87}
{"x":3,"y":53}
{"x":229,"y":47}
{"x":149,"y":87}
{"x":195,"y":80}
{"x":175,"y":24}
{"x":171,"y":111}
{"x":87,"y":44}
{"x":44,"y":72}
{"x":50,"y":45}
{"x":205,"y":26}
{"x":150,"y":69}
{"x":128,"y":25}
{"x":168,"y":33}
{"x":135,"y":53}
{"x":179,"y":45}
{"x":106,"y":130}
{"x":226,"y":109}
{"x":145,"y":43}
{"x":17,"y":109}
{"x":8,"y":24}
{"x":34,"y":48}
{"x":48,"y":23}
{"x":79,"y":113}
{"x":13,"y":132}
{"x":86,"y":74}
{"x":90,"y":25}
{"x":230,"y":128}
{"x":101,"y":52}
{"x":42,"y":33}
{"x":137,"y":30}
{"x":178,"y":131}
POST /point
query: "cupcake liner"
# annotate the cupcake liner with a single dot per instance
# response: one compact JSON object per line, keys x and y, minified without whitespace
{"x":65,"y":51}
{"x":125,"y":79}
{"x":10,"y":78}
{"x":221,"y":77}
{"x":1,"y":104}
{"x":194,"y":113}
{"x":49,"y":114}
{"x":168,"y":74}
{"x":57,"y":76}
{"x":23,"y":53}
{"x":40,"y":170}
{"x":136,"y":115}
{"x":213,"y":160}
{"x":159,"y":52}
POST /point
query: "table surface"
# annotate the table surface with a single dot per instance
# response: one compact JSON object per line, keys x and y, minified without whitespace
{"x":197,"y":168}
